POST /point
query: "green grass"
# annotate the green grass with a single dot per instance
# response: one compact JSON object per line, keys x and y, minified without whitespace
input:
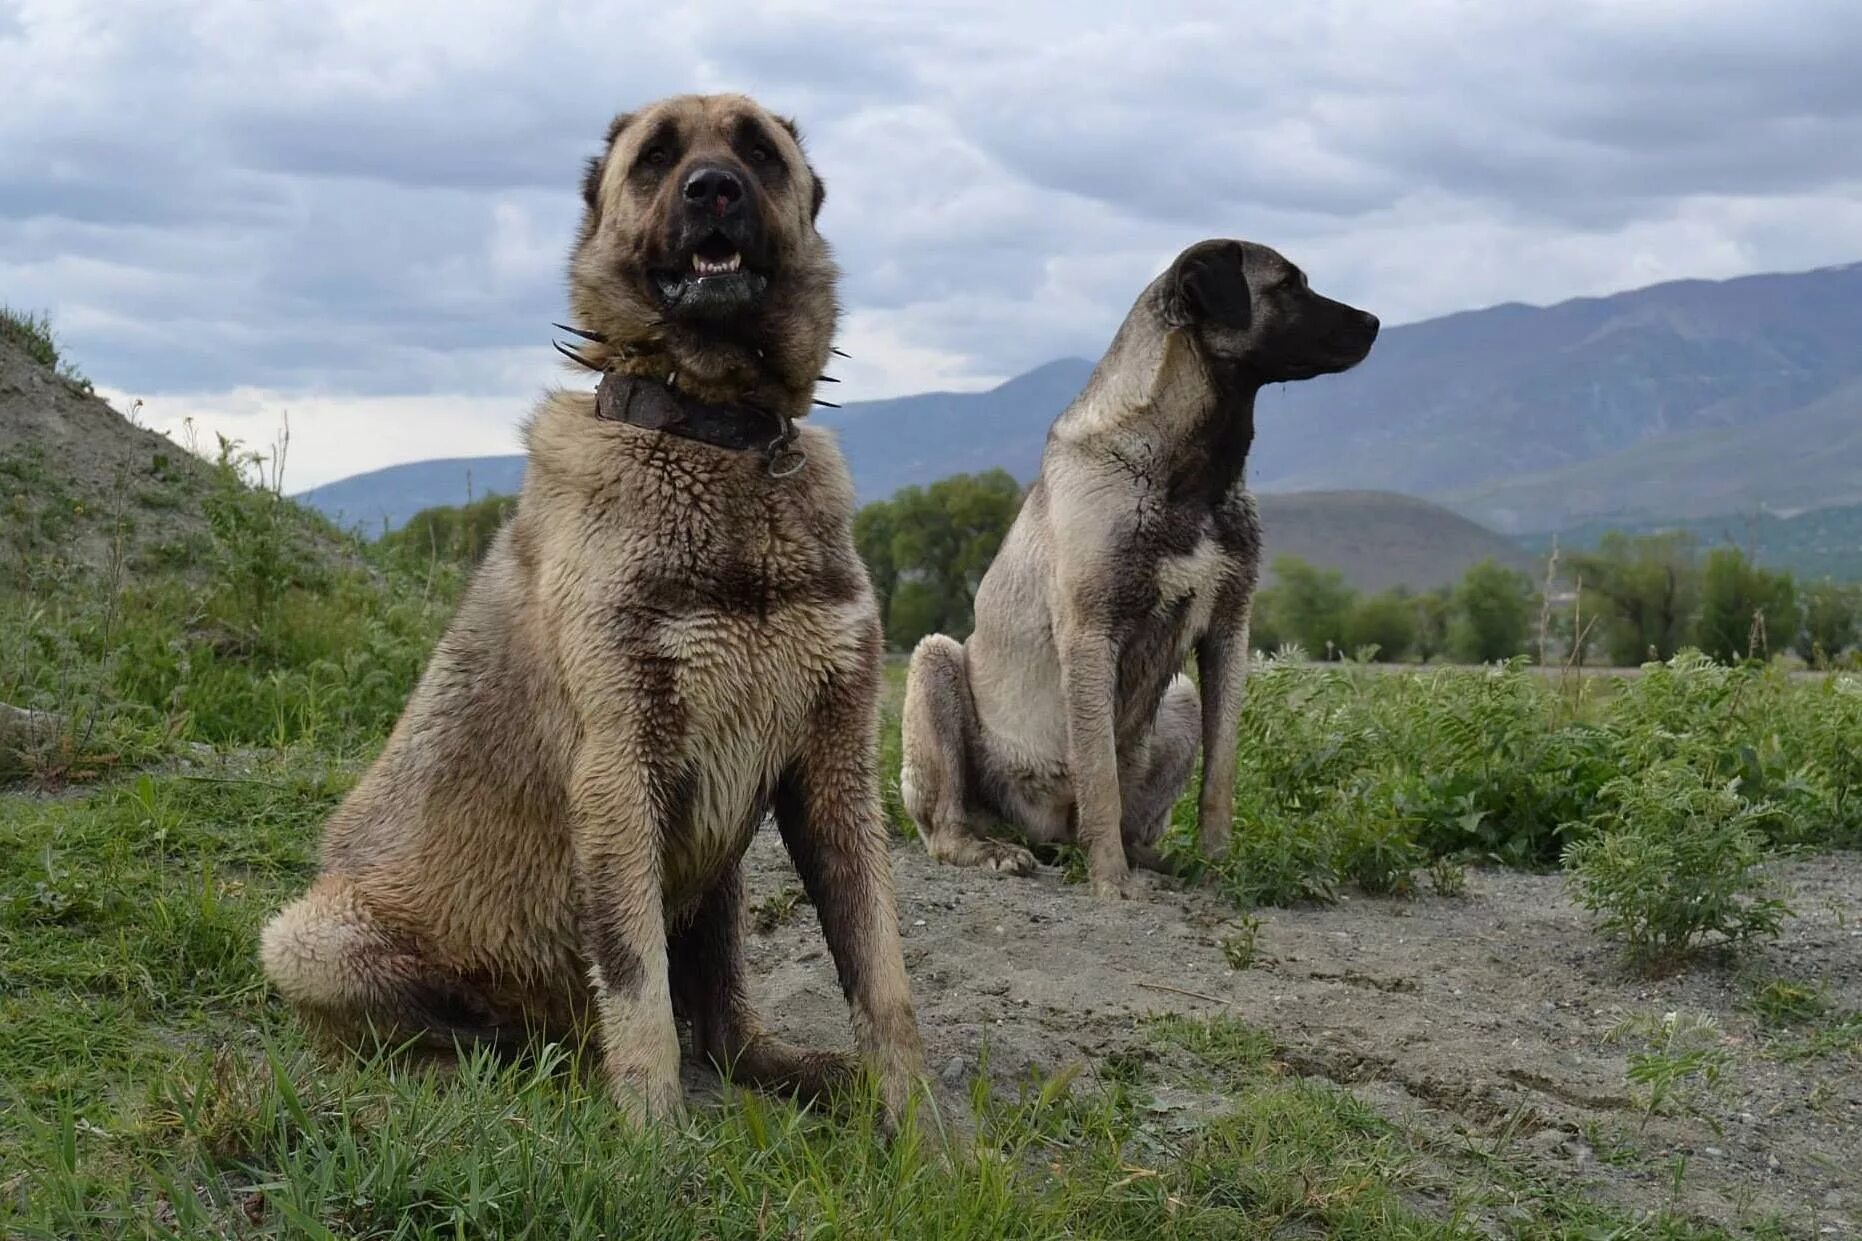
{"x":154,"y":1088}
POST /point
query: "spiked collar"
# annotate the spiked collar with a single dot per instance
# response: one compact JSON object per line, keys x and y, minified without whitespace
{"x":656,"y":405}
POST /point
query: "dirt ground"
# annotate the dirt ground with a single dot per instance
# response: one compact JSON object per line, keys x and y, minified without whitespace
{"x":1480,"y":1020}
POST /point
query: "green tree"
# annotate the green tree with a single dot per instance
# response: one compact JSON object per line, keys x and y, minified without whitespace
{"x":1264,"y":629}
{"x":455,"y":532}
{"x":1434,"y":609}
{"x":1745,"y":612}
{"x":873,"y":529}
{"x":1311,"y":605}
{"x":1831,"y":614}
{"x":1386,"y":621}
{"x":927,"y":549}
{"x":1644,"y":588}
{"x":1493,"y":609}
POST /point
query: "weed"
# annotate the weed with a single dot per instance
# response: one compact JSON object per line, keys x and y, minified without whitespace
{"x":1781,"y":1002}
{"x":776,"y":910}
{"x":1447,"y":877}
{"x":1672,"y":862}
{"x":1240,"y":948}
{"x":1681,"y":1057}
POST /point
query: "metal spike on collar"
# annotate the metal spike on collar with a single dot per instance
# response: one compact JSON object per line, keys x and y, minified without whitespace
{"x":828,"y":404}
{"x":826,"y":379}
{"x":573,"y":356}
{"x":597,"y":337}
{"x":835,"y":349}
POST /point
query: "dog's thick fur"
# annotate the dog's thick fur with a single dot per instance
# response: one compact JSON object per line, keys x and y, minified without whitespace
{"x":1065,"y":715}
{"x":663,"y":644}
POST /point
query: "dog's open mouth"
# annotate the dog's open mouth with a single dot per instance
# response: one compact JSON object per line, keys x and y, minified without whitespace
{"x":711,"y":279}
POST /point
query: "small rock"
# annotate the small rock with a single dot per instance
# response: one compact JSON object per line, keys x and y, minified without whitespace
{"x":1713,"y":1152}
{"x":1833,"y":1201}
{"x":952,"y":1072}
{"x":918,"y":922}
{"x":1771,"y":1161}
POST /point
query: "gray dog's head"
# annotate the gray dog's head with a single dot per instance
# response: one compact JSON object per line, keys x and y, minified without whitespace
{"x":1252,"y":309}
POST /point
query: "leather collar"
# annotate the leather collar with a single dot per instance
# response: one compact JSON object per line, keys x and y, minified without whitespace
{"x":656,"y":406}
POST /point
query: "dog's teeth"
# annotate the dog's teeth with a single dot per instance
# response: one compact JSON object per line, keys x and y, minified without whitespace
{"x":731,"y":263}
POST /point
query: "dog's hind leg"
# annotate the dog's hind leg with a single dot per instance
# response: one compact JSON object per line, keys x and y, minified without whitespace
{"x":939,"y":739}
{"x":711,"y":994}
{"x":355,"y":981}
{"x":1153,"y":789}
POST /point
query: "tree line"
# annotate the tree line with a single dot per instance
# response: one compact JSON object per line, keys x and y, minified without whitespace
{"x":1630,"y":599}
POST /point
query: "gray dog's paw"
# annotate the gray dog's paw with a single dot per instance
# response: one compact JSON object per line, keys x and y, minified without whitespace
{"x":1006,"y":858}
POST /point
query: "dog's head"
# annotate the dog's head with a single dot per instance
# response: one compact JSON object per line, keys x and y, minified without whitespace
{"x":698,"y":244}
{"x":1253,"y":309}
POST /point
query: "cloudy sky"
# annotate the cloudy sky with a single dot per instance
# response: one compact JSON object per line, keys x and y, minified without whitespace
{"x":357,"y":211}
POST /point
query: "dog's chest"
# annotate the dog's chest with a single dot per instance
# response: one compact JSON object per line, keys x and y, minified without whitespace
{"x":1188,"y":583}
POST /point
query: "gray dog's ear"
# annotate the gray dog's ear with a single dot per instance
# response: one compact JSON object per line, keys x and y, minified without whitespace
{"x":1211,"y":287}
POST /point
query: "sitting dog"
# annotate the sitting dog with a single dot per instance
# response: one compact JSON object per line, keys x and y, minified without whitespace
{"x":670,"y":638}
{"x":1065,"y":714}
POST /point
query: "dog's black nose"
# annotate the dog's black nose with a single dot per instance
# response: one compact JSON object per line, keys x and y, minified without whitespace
{"x":1370,"y":320}
{"x":714,"y":191}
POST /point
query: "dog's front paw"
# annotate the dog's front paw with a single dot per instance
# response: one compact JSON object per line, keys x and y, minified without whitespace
{"x":1112,"y":887}
{"x":1009,"y":859}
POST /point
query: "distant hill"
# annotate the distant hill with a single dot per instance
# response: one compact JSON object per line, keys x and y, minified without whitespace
{"x":1681,"y":399}
{"x":1824,"y":542}
{"x":1379,"y":539}
{"x":384,"y":499}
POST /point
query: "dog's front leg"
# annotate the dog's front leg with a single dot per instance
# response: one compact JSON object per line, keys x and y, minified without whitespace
{"x":617,"y":812}
{"x":1088,"y":674}
{"x":828,"y":811}
{"x":1222,"y":665}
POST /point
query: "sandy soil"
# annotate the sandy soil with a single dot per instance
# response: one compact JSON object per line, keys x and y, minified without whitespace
{"x":1480,"y":1018}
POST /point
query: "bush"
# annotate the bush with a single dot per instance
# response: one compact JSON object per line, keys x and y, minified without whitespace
{"x":1672,"y":863}
{"x":1745,"y":612}
{"x":1385,"y":621}
{"x":1493,"y":608}
{"x":1311,"y":606}
{"x":1831,"y":612}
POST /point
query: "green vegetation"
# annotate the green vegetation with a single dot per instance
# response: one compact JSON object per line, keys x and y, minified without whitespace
{"x":1352,"y":776}
{"x":928,"y":547}
{"x":457,"y":535}
{"x":155,"y":1088}
{"x":32,"y":332}
{"x":1651,"y":595}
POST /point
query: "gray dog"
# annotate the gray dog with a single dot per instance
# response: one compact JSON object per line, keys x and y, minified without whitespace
{"x":1066,"y":714}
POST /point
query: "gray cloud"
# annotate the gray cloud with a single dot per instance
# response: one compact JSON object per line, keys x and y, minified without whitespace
{"x":329,"y":200}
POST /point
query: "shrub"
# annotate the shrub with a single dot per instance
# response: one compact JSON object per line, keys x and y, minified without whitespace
{"x":1492,"y":611}
{"x":1311,"y":605}
{"x":1745,"y":612}
{"x":1831,"y":613}
{"x":1385,"y":621}
{"x":1672,"y":863}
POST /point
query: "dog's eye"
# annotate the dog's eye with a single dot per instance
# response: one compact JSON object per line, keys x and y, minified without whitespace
{"x":759,"y":154}
{"x":656,"y":156}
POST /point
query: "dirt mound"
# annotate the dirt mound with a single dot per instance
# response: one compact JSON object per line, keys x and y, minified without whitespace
{"x":1480,"y":1022}
{"x":73,"y":471}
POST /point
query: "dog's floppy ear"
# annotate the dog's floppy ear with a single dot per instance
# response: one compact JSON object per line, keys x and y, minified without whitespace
{"x":1211,"y":287}
{"x":591,"y":175}
{"x":821,"y":188}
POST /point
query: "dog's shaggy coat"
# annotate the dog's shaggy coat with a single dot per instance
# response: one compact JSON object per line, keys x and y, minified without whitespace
{"x":665,"y":643}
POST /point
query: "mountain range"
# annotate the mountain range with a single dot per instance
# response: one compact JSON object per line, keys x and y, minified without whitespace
{"x":1693,"y":400}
